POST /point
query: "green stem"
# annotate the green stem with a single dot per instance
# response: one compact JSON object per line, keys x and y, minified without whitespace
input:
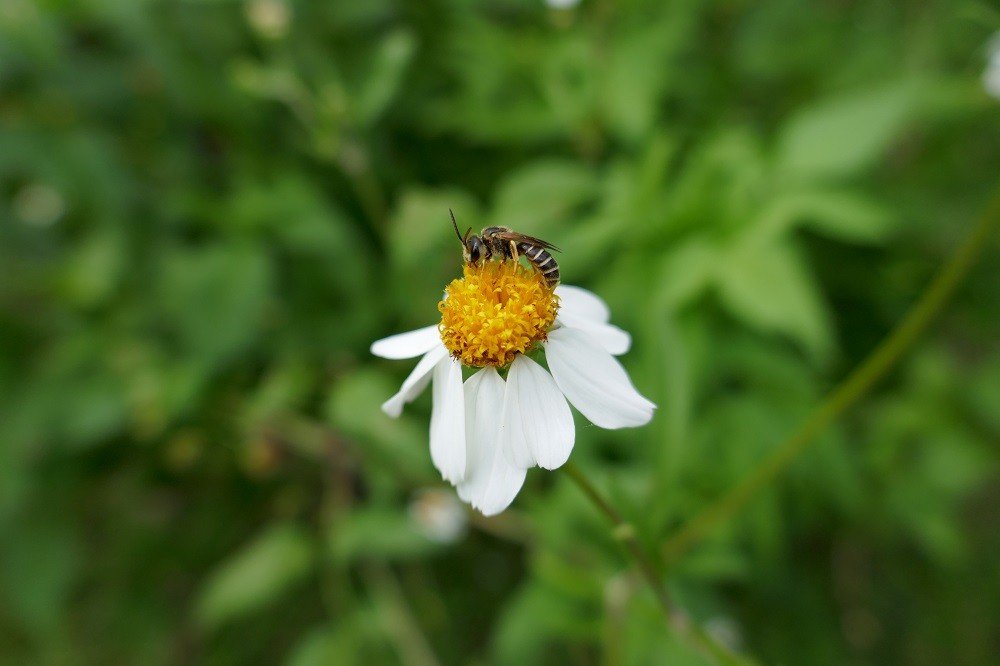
{"x":625,"y":532}
{"x":852,"y":389}
{"x":398,"y":620}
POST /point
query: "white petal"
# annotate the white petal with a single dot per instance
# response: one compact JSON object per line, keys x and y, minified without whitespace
{"x":448,"y":441}
{"x":470,"y":486}
{"x":510,"y":434}
{"x":491,"y":483}
{"x":415,"y":383}
{"x":582,"y":303}
{"x":407,"y":345}
{"x":537,"y":424}
{"x":594,"y":381}
{"x":612,"y":338}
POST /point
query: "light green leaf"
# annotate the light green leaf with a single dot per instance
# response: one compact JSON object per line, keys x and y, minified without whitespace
{"x":424,"y":252}
{"x":839,"y":214}
{"x":421,"y":226}
{"x":640,"y":67}
{"x":255,"y":576}
{"x":567,"y":79}
{"x":685,"y":272}
{"x":324,"y":646}
{"x":376,"y":532}
{"x":215,"y":296}
{"x":92,"y":273}
{"x":387,"y":68}
{"x":769,"y":288}
{"x":541,"y":196}
{"x":843,"y":135}
{"x":534,"y":619}
{"x":645,"y":641}
{"x":354,"y":408}
{"x":284,"y":387}
{"x":716,"y":562}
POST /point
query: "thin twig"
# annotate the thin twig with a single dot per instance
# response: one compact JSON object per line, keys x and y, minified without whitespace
{"x":852,"y":389}
{"x":618,"y":593}
{"x":413,"y":647}
{"x":625,"y":532}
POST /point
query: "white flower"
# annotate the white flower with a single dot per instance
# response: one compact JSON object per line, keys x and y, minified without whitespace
{"x":438,"y":515}
{"x":486,"y":432}
{"x":270,"y":18}
{"x":991,"y":75}
{"x":39,"y":205}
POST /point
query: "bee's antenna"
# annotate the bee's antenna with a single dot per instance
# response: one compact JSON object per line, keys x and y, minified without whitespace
{"x":455,"y":224}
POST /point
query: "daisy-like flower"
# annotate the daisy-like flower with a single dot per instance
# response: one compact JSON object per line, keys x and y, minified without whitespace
{"x":487,"y":431}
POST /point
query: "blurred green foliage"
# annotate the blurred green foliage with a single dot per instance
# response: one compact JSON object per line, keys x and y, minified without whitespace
{"x":208,"y":209}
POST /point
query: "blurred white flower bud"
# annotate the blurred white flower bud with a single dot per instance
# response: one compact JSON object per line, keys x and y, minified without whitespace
{"x":438,"y":515}
{"x":562,"y":4}
{"x":991,"y":75}
{"x":726,"y":631}
{"x":39,"y":205}
{"x":270,"y":18}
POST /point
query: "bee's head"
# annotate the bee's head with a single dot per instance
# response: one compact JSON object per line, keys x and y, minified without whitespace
{"x":472,"y":244}
{"x":473,"y":249}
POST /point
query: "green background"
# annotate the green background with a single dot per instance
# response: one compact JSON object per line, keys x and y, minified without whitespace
{"x":209,"y":209}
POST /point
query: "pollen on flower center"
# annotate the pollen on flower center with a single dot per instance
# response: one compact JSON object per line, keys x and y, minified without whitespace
{"x":496,"y":311}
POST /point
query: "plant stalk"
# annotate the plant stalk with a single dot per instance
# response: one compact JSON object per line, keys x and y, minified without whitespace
{"x":849,"y":392}
{"x":625,"y":532}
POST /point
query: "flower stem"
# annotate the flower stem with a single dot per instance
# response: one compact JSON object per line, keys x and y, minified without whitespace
{"x":397,"y":617}
{"x":625,"y":532}
{"x":852,"y":389}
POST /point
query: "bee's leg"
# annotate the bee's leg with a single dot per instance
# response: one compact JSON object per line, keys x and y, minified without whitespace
{"x":503,"y":251}
{"x":513,"y":251}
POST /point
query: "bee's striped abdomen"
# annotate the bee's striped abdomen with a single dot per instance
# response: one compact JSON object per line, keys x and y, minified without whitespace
{"x":544,"y":262}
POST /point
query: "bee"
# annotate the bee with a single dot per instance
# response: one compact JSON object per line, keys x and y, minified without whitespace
{"x":504,"y":243}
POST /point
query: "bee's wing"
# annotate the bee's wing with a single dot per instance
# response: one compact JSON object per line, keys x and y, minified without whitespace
{"x":522,"y":238}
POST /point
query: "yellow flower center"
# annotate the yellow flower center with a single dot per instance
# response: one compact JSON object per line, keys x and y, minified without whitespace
{"x":496,"y":311}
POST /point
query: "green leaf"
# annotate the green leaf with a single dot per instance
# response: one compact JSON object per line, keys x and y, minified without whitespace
{"x":639,"y":68}
{"x":377,"y":532}
{"x":96,"y":408}
{"x":645,"y":641}
{"x":282,"y":389}
{"x":214,"y":297}
{"x":843,"y":135}
{"x":388,"y":65}
{"x":839,"y":214}
{"x":421,"y":226}
{"x":769,"y":288}
{"x":424,"y":253}
{"x":354,"y":407}
{"x":567,"y":79}
{"x":256,"y":576}
{"x":685,"y":272}
{"x":531,"y":625}
{"x":542,"y":196}
{"x":39,"y":559}
{"x":716,"y":562}
{"x":292,"y":210}
{"x":92,"y":273}
{"x":324,"y":646}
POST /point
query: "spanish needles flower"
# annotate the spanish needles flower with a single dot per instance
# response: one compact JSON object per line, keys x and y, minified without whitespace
{"x":487,"y":431}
